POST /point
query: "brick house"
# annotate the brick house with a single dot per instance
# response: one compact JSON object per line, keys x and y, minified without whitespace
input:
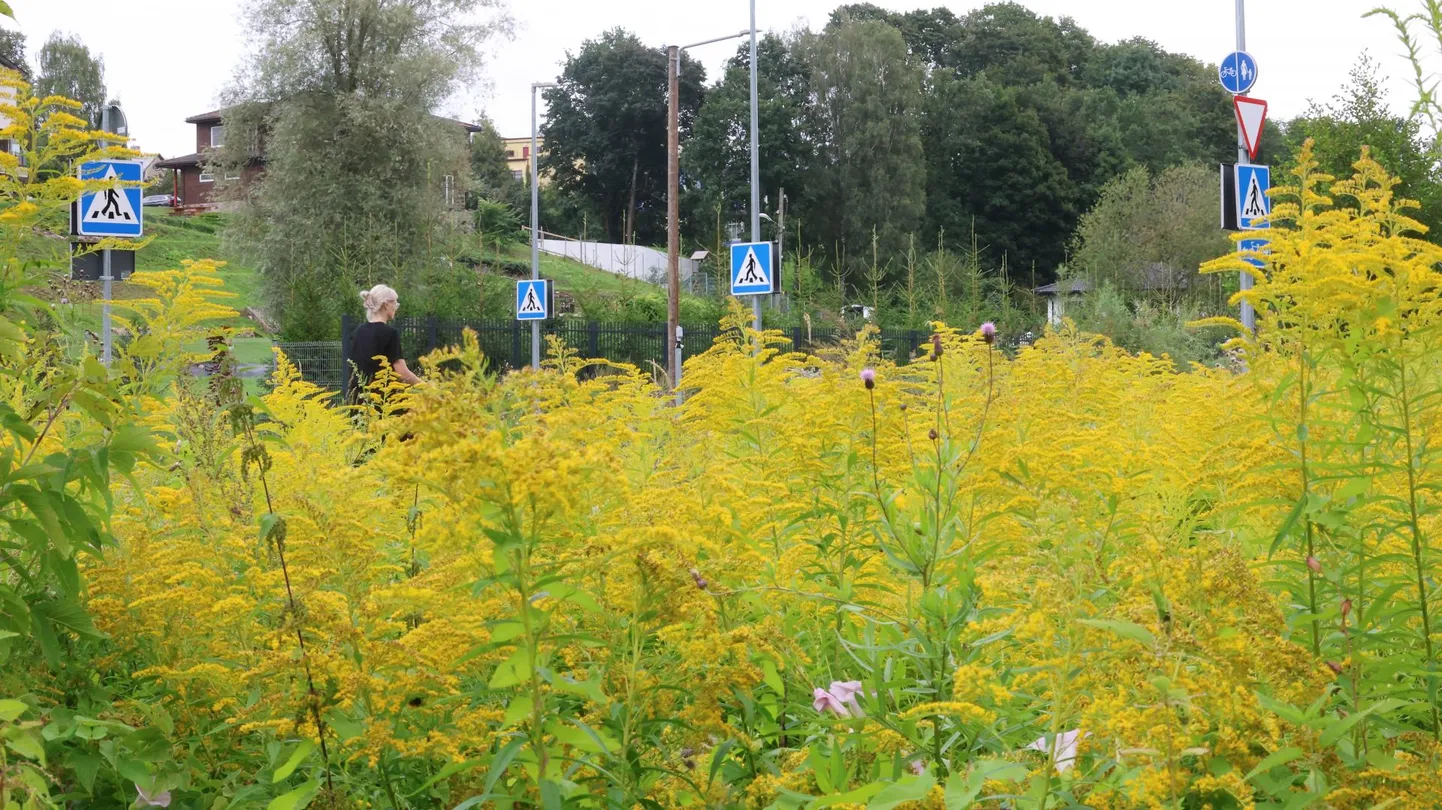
{"x":195,"y":182}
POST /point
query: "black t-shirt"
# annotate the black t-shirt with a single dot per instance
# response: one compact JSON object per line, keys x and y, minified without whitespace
{"x":367,"y":342}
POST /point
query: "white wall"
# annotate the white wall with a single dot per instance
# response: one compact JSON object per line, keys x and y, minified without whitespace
{"x":632,"y":261}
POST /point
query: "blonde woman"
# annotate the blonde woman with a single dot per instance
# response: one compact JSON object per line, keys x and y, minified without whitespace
{"x":376,"y":342}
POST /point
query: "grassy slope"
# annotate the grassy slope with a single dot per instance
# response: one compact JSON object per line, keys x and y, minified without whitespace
{"x":573,"y":276}
{"x":175,"y":238}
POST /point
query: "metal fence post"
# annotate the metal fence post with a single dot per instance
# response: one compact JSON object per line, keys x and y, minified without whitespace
{"x":593,"y":339}
{"x":517,"y":361}
{"x":347,"y":325}
{"x":430,"y":334}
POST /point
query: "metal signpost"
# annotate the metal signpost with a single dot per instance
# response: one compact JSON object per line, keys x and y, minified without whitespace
{"x":111,"y":211}
{"x":756,"y":172}
{"x":1238,"y":73}
{"x":535,"y":239}
{"x":673,"y":184}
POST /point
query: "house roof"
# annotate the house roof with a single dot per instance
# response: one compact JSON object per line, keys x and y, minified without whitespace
{"x":182,"y":162}
{"x":469,"y":127}
{"x":215,"y":116}
{"x":21,"y":68}
{"x":1068,"y":286}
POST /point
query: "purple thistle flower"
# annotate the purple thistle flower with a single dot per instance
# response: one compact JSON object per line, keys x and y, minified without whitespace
{"x":988,"y":332}
{"x":868,"y":377}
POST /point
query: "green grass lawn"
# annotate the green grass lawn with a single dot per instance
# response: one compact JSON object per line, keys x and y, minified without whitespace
{"x":172,"y":239}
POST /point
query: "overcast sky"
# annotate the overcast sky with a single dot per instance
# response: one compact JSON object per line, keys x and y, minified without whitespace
{"x":169,"y":59}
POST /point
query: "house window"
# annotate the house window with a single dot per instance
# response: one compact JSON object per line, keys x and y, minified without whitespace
{"x":217,"y":136}
{"x":510,"y":154}
{"x":450,"y":186}
{"x":517,"y":173}
{"x":526,"y":152}
{"x":229,"y":176}
{"x":207,"y":177}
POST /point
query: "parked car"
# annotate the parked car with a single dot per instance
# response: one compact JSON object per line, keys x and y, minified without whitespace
{"x":159,"y":199}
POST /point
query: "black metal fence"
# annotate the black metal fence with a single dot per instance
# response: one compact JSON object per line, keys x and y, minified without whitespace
{"x":508,"y":343}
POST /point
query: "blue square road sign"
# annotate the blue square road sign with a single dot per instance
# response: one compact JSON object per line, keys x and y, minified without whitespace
{"x":114,"y":208}
{"x":533,"y":300}
{"x":1253,"y":183}
{"x":752,"y":271}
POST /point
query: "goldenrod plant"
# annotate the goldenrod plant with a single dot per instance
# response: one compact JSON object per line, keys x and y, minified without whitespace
{"x":1068,"y":576}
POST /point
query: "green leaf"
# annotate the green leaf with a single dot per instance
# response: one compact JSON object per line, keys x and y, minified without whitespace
{"x":520,"y":707}
{"x":912,"y":789}
{"x":501,"y":763}
{"x":856,"y":796}
{"x":962,"y":789}
{"x":28,"y":746}
{"x":512,"y":671}
{"x":268,"y":522}
{"x":10,"y":710}
{"x":1287,"y":524}
{"x":1337,"y":728}
{"x":1279,"y":757}
{"x":446,"y":773}
{"x":1130,"y":630}
{"x":302,"y":750}
{"x":295,"y":799}
{"x":1353,"y":488}
{"x":771,"y":677}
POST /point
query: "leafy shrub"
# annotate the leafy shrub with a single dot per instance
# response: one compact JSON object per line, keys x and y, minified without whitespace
{"x":1139,"y":324}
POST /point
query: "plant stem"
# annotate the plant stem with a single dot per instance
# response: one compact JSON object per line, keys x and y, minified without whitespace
{"x":314,"y":697}
{"x":1418,"y":545}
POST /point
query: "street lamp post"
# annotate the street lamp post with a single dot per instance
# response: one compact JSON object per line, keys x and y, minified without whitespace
{"x":673,"y":193}
{"x":535,"y":223}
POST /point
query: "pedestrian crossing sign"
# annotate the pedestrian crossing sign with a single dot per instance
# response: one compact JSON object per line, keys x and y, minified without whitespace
{"x":112,"y":207}
{"x":1253,"y":204}
{"x":533,"y":300}
{"x":752,"y":272}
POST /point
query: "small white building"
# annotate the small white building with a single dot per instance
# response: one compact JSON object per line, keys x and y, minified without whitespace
{"x":1156,"y":278}
{"x":1058,"y":293}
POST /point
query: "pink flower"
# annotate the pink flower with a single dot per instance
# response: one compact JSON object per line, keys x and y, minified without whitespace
{"x":988,"y":332}
{"x":1314,"y":564}
{"x":846,"y":691}
{"x":917,"y":766}
{"x":840,"y":699}
{"x":868,"y":376}
{"x":824,"y":701}
{"x":1063,"y":747}
{"x":161,"y":799}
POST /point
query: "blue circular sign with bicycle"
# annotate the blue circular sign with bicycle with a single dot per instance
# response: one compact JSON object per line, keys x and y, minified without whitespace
{"x":1238,"y":72}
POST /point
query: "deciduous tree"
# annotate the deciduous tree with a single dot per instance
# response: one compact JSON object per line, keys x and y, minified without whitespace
{"x":69,"y":69}
{"x":606,"y":131}
{"x":870,"y":176}
{"x":340,"y":95}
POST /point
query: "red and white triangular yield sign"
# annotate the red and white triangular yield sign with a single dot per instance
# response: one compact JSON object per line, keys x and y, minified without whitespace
{"x":1251,"y":115}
